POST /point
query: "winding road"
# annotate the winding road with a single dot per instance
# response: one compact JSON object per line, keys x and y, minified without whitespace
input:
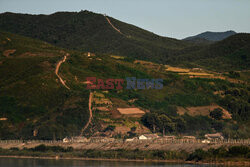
{"x":63,"y":83}
{"x":57,"y":69}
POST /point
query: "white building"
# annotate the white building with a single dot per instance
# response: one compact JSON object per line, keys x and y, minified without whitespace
{"x":148,"y":136}
{"x":214,"y":136}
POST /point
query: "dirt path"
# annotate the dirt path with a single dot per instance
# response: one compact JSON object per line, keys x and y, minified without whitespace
{"x":90,"y":114}
{"x":63,"y":83}
{"x":57,"y":69}
{"x":116,"y":29}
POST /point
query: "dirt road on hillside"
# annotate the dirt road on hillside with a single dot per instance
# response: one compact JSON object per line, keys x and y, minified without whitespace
{"x":63,"y":83}
{"x":90,"y":114}
{"x":116,"y":29}
{"x":57,"y":69}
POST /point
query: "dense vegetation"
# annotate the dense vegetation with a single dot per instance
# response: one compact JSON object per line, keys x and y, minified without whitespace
{"x":219,"y":153}
{"x":231,"y":53}
{"x":233,"y":153}
{"x":178,"y":91}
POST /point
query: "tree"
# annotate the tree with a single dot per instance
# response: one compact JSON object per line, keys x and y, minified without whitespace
{"x":165,"y":123}
{"x":180,"y":124}
{"x":216,"y":114}
{"x":150,"y":120}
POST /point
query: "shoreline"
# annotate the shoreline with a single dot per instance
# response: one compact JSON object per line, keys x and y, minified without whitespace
{"x":227,"y":163}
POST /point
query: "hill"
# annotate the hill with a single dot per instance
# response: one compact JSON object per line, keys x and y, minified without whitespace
{"x":87,"y":31}
{"x":34,"y":104}
{"x":232,"y":53}
{"x":211,"y":36}
{"x":90,"y":32}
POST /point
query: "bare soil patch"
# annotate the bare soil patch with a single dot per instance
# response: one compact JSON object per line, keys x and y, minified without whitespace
{"x":131,"y":112}
{"x":203,"y":110}
{"x":9,"y":52}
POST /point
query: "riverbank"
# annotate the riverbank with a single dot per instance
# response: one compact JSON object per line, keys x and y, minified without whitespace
{"x":119,"y":144}
{"x":223,"y":163}
{"x":236,"y":155}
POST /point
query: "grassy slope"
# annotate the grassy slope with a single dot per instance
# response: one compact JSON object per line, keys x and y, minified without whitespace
{"x":232,"y":53}
{"x":32,"y":99}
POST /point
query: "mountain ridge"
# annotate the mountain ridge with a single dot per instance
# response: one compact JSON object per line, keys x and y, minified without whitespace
{"x":87,"y":31}
{"x":97,"y":33}
{"x":211,"y":36}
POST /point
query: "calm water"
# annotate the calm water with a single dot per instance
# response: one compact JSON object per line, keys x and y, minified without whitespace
{"x":11,"y":162}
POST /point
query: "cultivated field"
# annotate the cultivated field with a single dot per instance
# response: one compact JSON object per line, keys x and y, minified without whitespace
{"x":203,"y":110}
{"x":131,"y":112}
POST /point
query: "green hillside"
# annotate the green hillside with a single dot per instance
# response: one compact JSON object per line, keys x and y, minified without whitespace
{"x":211,"y":36}
{"x":232,"y":53}
{"x":87,"y":31}
{"x":90,"y":32}
{"x":38,"y":106}
{"x":32,"y":99}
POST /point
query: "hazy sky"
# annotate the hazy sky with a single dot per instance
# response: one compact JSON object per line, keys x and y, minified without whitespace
{"x":172,"y":18}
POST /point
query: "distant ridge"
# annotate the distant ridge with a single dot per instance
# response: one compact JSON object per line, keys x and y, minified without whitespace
{"x":211,"y":36}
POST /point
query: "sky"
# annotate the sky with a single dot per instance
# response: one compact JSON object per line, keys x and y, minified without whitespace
{"x":171,"y":18}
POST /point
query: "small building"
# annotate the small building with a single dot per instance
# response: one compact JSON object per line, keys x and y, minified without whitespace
{"x":90,"y":54}
{"x":143,"y":137}
{"x":205,"y":141}
{"x":67,"y":140}
{"x":76,"y":139}
{"x":148,"y":137}
{"x":214,"y":136}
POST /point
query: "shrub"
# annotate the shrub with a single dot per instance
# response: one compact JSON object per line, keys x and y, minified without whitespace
{"x":109,"y":128}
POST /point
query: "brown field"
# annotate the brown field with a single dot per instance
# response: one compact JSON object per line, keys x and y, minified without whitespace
{"x":197,"y":74}
{"x":130,"y":111}
{"x":194,"y":73}
{"x":117,"y":57}
{"x":101,"y":108}
{"x":176,"y":69}
{"x":122,"y":129}
{"x":203,"y":110}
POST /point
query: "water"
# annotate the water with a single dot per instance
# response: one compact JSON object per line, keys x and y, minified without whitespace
{"x":12,"y":162}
